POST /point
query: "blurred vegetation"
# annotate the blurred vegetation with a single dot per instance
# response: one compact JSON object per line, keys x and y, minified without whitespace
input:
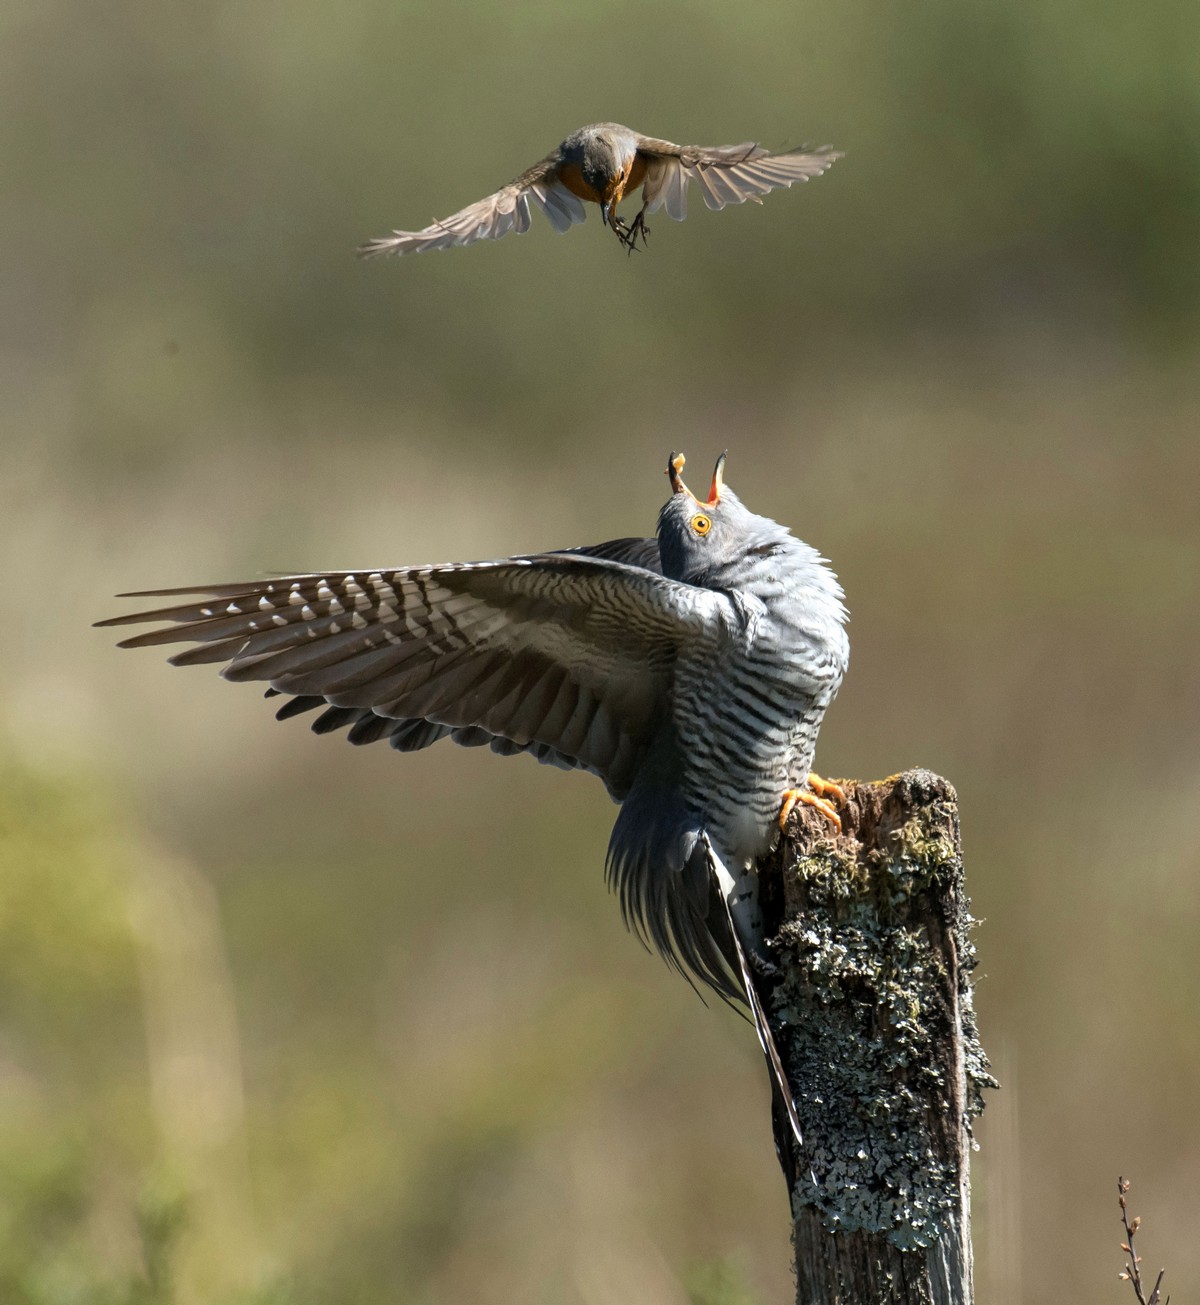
{"x":287,"y":1022}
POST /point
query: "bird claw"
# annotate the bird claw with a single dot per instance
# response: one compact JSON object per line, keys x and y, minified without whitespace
{"x":631,"y":232}
{"x":626,"y":232}
{"x":815,"y":795}
{"x":825,"y":788}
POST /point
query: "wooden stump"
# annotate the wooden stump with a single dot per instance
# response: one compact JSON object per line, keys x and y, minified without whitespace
{"x":872,"y":1013}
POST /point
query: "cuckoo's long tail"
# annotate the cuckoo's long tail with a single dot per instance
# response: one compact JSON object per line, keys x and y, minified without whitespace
{"x":740,"y":896}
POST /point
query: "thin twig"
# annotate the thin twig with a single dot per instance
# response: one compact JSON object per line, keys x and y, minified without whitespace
{"x":1133,"y":1272}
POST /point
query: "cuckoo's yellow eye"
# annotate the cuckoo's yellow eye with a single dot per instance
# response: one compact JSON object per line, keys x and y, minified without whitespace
{"x":701,"y":524}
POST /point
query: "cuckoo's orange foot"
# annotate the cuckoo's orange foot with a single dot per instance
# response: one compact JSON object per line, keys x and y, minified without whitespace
{"x":825,"y":788}
{"x":809,"y":799}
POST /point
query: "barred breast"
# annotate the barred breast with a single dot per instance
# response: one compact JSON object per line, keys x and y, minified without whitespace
{"x":748,"y":710}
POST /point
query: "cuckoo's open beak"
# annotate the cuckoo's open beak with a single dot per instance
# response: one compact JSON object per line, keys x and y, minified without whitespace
{"x":718,"y":480}
{"x":675,"y":472}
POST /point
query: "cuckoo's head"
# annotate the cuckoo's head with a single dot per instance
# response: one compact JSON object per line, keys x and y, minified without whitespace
{"x":703,"y":540}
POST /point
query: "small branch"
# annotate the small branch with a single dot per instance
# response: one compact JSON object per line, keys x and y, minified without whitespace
{"x":1133,"y":1270}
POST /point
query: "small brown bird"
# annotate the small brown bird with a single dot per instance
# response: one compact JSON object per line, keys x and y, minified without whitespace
{"x":602,"y":164}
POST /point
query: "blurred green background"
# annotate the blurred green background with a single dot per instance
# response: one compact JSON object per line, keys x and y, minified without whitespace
{"x":286,"y":1021}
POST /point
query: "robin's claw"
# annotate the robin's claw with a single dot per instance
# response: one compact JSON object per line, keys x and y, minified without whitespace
{"x":628,"y":232}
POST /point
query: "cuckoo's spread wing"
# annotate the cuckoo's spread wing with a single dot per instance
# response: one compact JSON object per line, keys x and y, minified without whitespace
{"x":569,"y":656}
{"x":726,"y":174}
{"x":365,"y":726}
{"x":492,"y":217}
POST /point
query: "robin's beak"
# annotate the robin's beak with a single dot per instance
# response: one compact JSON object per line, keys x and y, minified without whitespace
{"x":612,"y":197}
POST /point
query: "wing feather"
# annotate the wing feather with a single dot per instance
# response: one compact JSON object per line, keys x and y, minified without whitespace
{"x":568,"y":656}
{"x":491,"y":217}
{"x":540,"y":686}
{"x":726,"y":174}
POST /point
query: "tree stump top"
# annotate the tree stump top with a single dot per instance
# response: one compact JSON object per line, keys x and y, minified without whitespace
{"x":872,"y":1007}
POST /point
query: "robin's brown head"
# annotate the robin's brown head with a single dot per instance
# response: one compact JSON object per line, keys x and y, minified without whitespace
{"x":606,"y":156}
{"x":600,"y":165}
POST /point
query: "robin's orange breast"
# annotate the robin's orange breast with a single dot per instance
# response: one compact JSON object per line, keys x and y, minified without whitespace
{"x":571,"y":176}
{"x":625,"y":183}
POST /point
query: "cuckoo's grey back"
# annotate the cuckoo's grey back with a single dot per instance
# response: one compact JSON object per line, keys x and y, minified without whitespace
{"x":689,"y":671}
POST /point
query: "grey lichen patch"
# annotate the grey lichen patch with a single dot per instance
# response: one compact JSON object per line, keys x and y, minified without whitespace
{"x":858,"y":1006}
{"x":873,"y":1012}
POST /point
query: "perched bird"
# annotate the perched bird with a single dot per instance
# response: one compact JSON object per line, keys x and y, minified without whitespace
{"x":690,"y":672}
{"x":603,"y":163}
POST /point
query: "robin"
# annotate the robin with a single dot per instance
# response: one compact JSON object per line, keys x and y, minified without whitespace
{"x":603,"y":163}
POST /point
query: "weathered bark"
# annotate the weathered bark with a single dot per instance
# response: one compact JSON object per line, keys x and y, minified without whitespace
{"x":872,"y":1013}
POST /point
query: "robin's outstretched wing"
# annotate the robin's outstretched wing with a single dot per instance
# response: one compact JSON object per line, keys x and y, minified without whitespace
{"x":564,"y":655}
{"x":726,"y":174}
{"x":492,"y":217}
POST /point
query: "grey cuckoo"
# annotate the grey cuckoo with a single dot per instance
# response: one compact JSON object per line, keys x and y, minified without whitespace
{"x":602,"y":163}
{"x":690,"y":672}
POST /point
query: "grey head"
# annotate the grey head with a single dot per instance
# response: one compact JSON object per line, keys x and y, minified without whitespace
{"x":603,"y":150}
{"x":717,"y":542}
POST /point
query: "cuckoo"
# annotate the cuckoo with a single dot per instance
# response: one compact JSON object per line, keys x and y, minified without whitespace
{"x":602,"y":164}
{"x":689,"y":671}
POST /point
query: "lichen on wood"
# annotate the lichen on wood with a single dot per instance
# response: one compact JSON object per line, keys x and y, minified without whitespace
{"x":871,"y":1006}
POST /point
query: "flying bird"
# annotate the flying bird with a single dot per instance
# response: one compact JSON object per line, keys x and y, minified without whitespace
{"x":603,"y":163}
{"x":689,"y":671}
